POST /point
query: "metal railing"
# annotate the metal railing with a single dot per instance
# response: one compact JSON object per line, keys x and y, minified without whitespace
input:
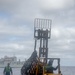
{"x":42,"y":23}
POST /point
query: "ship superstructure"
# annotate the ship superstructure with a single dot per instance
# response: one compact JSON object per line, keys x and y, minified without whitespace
{"x":12,"y":60}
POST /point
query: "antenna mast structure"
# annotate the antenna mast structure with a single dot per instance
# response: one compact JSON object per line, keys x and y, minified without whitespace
{"x":42,"y":32}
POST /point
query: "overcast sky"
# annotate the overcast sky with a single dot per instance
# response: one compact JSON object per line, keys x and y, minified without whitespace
{"x":17,"y":23}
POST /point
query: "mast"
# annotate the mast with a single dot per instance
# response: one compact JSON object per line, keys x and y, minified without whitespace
{"x":42,"y":32}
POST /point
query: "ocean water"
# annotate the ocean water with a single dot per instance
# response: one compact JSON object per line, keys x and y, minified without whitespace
{"x":65,"y":71}
{"x":69,"y":70}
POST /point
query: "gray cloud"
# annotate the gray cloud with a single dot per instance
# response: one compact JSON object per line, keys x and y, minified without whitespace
{"x":17,"y":22}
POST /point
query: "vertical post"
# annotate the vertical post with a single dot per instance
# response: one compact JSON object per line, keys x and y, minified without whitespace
{"x":59,"y":66}
{"x":40,"y":47}
{"x":35,"y":45}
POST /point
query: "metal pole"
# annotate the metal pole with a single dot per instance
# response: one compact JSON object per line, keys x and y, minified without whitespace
{"x":35,"y":44}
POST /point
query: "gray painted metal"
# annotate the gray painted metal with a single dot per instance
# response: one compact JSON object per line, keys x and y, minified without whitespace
{"x":42,"y":32}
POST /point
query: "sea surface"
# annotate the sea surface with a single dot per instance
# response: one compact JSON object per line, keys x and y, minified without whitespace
{"x":69,"y":70}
